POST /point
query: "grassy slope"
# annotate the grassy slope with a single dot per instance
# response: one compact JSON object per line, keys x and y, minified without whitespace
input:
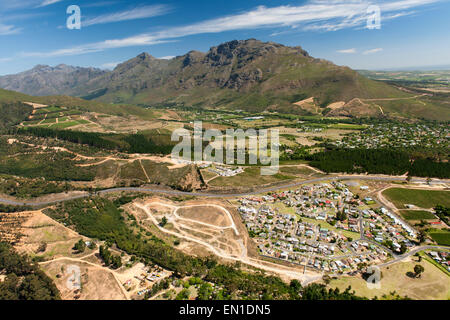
{"x":11,"y":109}
{"x":84,"y":105}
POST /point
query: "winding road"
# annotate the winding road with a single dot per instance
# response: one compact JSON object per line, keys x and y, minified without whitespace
{"x":217,"y":195}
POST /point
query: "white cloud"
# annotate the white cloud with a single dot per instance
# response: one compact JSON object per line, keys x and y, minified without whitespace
{"x":133,"y":14}
{"x":22,"y":4}
{"x":49,"y":2}
{"x":371,"y":51}
{"x":352,"y":50}
{"x":140,"y":40}
{"x":8,"y":30}
{"x":167,"y":58}
{"x":324,"y":15}
{"x":109,"y":65}
{"x":405,"y":4}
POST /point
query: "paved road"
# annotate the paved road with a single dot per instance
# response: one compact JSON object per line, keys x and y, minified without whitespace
{"x":411,"y":253}
{"x":216,"y":195}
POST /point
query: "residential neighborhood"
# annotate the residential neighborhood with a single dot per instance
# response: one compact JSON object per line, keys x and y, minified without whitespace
{"x":390,"y":135}
{"x":325,"y":227}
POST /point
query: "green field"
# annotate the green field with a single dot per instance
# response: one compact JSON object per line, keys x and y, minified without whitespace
{"x":421,"y":198}
{"x":348,"y":126}
{"x":441,"y":237}
{"x":417,"y":215}
{"x":29,"y":123}
{"x":51,"y":120}
{"x":64,"y":125}
{"x":48,"y":110}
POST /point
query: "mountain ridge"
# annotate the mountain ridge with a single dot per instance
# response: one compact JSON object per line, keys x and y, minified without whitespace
{"x":44,"y":80}
{"x":248,"y":75}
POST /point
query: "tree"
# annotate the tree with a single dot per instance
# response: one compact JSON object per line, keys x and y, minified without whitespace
{"x":163,"y":222}
{"x":105,"y":254}
{"x":205,"y":291}
{"x":403,"y":248}
{"x":42,"y":247}
{"x":422,"y":237}
{"x":23,"y":279}
{"x":341,"y":216}
{"x":80,"y":246}
{"x":418,"y":270}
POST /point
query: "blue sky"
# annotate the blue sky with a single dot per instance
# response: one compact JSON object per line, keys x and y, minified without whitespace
{"x":413,"y":33}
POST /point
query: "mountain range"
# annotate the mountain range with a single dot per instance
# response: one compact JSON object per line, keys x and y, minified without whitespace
{"x":242,"y":74}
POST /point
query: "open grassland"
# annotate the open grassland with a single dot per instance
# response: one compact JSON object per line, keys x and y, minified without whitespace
{"x":250,"y":177}
{"x":298,"y":171}
{"x":432,"y":285}
{"x":36,"y":230}
{"x":420,"y":198}
{"x":96,"y":283}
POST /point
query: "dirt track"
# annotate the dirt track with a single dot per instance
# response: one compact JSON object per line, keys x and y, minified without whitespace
{"x":286,"y":272}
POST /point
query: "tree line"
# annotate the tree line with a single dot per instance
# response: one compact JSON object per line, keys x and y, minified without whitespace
{"x":128,"y":143}
{"x":24,"y":279}
{"x":377,"y":161}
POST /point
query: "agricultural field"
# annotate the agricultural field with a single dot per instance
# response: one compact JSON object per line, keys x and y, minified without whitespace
{"x":433,"y":81}
{"x":310,"y":133}
{"x":56,"y":118}
{"x":420,"y":198}
{"x":417,"y":215}
{"x":442,"y":237}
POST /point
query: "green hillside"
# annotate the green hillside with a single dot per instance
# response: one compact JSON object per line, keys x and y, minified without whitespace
{"x":10,"y":100}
